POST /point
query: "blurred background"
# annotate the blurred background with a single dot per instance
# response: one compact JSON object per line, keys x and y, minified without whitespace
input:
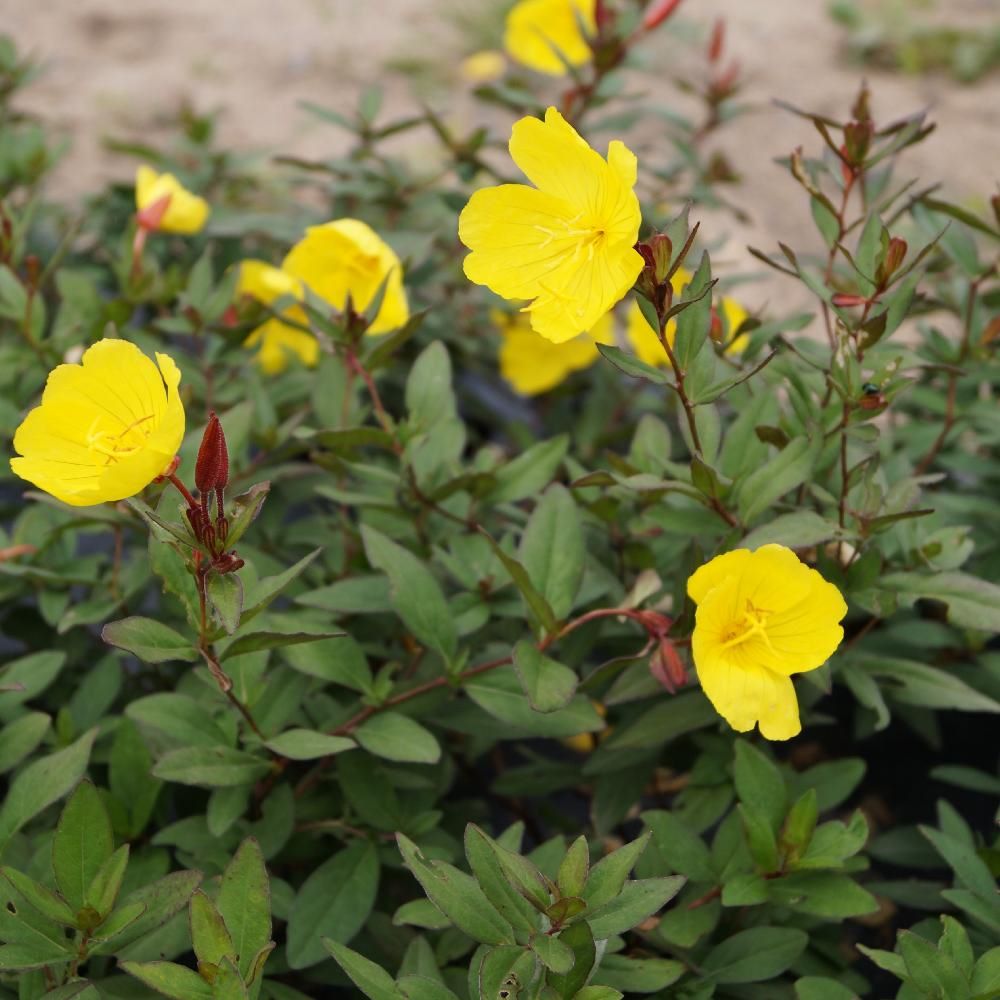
{"x":124,"y":71}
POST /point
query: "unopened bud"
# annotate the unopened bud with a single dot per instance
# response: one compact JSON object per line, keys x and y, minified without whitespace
{"x":667,"y":667}
{"x":32,"y":269}
{"x":661,"y":250}
{"x":857,"y":139}
{"x":845,"y":299}
{"x":657,"y":12}
{"x":895,"y":254}
{"x":150,"y":217}
{"x":717,"y":40}
{"x":715,"y":330}
{"x":211,"y":471}
{"x":861,"y":110}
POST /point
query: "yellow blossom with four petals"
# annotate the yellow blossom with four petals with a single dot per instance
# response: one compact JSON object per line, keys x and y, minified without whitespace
{"x":106,"y":427}
{"x":545,"y":35}
{"x":568,"y":243}
{"x":762,"y":616}
{"x":164,"y":204}
{"x":335,"y":261}
{"x":532,"y":364}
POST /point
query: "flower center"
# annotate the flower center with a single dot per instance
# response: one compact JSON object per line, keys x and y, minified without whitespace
{"x":116,"y":446}
{"x":584,"y":240}
{"x":753,"y":622}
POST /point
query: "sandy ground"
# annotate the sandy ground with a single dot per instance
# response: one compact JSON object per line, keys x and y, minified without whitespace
{"x":122,"y":68}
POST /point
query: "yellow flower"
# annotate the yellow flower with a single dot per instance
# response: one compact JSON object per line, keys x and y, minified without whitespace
{"x":277,"y":339}
{"x":106,"y":427}
{"x":163,"y":203}
{"x":347,"y":258}
{"x":545,"y":35}
{"x":532,"y":364}
{"x":646,"y":344}
{"x":483,"y":67}
{"x":761,"y":617}
{"x":567,"y":243}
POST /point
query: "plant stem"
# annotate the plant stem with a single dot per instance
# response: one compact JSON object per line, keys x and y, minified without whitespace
{"x":437,"y":683}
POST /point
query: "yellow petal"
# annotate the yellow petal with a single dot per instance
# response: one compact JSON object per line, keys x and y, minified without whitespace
{"x":808,"y":633}
{"x":532,"y":364}
{"x":716,"y":571}
{"x":346,"y":258}
{"x":185,"y":213}
{"x":514,"y":232}
{"x":742,"y":691}
{"x":483,"y":67}
{"x":545,"y":34}
{"x":642,"y":337}
{"x":277,"y":341}
{"x":266,"y":283}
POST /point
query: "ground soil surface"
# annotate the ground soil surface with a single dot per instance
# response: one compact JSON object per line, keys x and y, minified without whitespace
{"x":115,"y":68}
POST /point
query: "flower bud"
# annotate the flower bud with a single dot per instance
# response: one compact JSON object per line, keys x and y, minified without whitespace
{"x":895,"y":254}
{"x":660,"y":249}
{"x":211,"y":471}
{"x":857,"y":139}
{"x":657,"y":12}
{"x":716,"y":40}
{"x":845,"y":299}
{"x":667,"y":667}
{"x":150,"y":217}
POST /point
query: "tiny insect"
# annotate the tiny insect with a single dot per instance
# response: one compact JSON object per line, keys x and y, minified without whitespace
{"x":509,"y":988}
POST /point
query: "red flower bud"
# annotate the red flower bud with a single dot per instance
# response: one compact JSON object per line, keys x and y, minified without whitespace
{"x":667,"y":666}
{"x":895,"y":254}
{"x":211,"y":471}
{"x":152,"y":215}
{"x":657,"y":12}
{"x":844,"y":299}
{"x":717,"y":40}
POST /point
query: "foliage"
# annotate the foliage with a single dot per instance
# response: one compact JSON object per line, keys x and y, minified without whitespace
{"x":400,"y":704}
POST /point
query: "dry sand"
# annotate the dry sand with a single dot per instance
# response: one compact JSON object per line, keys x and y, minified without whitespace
{"x":122,"y":68}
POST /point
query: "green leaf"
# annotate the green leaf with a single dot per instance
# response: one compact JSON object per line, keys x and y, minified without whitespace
{"x":930,"y":970}
{"x":580,"y":939}
{"x":532,"y":596}
{"x":817,"y":988}
{"x":970,"y":870}
{"x":673,"y":717}
{"x":244,"y":511}
{"x":485,"y":861}
{"x":225,"y":592}
{"x":429,"y":396}
{"x":82,"y":844}
{"x":333,"y":903}
{"x":420,"y":913}
{"x":636,"y":901}
{"x":41,"y":783}
{"x":175,"y":981}
{"x":107,"y":882}
{"x":160,"y":901}
{"x":530,"y":472}
{"x":798,"y":530}
{"x":265,"y":590}
{"x":638,"y":975}
{"x":822,"y":894}
{"x":574,"y":868}
{"x":915,"y":683}
{"x":24,"y":957}
{"x":244,"y":901}
{"x":759,"y":783}
{"x":422,"y":988}
{"x":28,"y":676}
{"x":398,"y":737}
{"x":44,"y":900}
{"x":694,"y":323}
{"x":254,"y":642}
{"x":792,"y":466}
{"x":972,"y":603}
{"x":552,"y":953}
{"x":609,"y":874}
{"x":210,"y":767}
{"x":628,"y":364}
{"x":682,"y":849}
{"x":307,"y":744}
{"x":548,"y":685}
{"x":986,"y":974}
{"x":416,"y":595}
{"x":151,"y":641}
{"x":209,"y":935}
{"x":183,"y":719}
{"x":552,"y":549}
{"x":370,"y":978}
{"x":228,"y":983}
{"x":457,"y":896}
{"x":755,"y":955}
{"x":340,"y":661}
{"x":20,"y":737}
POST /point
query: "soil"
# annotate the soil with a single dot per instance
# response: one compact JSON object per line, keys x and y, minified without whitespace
{"x":113,"y":68}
